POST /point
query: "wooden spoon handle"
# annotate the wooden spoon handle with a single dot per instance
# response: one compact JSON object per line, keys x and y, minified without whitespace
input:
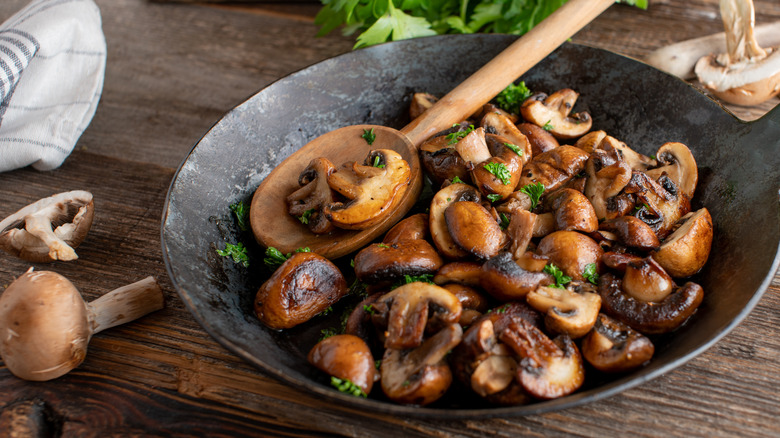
{"x":509,"y":65}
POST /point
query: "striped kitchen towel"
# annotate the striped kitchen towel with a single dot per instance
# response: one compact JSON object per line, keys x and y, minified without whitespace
{"x":52,"y":64}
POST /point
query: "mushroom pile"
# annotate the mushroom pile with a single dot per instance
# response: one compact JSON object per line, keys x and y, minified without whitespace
{"x":548,"y":252}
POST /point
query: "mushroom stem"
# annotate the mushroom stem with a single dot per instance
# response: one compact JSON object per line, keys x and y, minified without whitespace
{"x":125,"y":304}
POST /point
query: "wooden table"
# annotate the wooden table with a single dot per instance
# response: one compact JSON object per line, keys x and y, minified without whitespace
{"x":173,"y":70}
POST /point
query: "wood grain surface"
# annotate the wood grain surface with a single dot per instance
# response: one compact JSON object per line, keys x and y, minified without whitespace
{"x":173,"y":70}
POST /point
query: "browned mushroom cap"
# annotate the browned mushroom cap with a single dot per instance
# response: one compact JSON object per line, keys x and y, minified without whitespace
{"x":571,"y":251}
{"x":474,"y":230}
{"x":420,"y":376}
{"x":554,"y":113}
{"x":540,"y":140}
{"x":467,"y":273}
{"x":677,"y":162}
{"x":411,"y":228}
{"x":473,"y":303}
{"x":438,"y":224}
{"x":412,"y":307}
{"x":613,"y":347}
{"x":573,"y":211}
{"x":440,"y":159}
{"x":50,"y":228}
{"x":420,"y":103}
{"x":607,"y":176}
{"x":548,"y":368}
{"x":303,"y":286}
{"x":660,"y":204}
{"x":380,"y":262}
{"x":307,"y":202}
{"x":499,"y":174}
{"x":646,"y":280}
{"x":554,"y":168}
{"x":502,"y":126}
{"x":571,"y":311}
{"x":346,"y":357}
{"x":506,"y":281}
{"x":649,"y":317}
{"x":685,"y":251}
{"x":632,"y":232}
{"x":373,"y":190}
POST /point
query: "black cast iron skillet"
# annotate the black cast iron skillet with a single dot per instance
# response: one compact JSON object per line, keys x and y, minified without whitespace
{"x":739,"y":168}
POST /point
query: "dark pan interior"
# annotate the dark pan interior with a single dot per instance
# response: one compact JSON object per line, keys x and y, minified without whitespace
{"x":739,"y":181}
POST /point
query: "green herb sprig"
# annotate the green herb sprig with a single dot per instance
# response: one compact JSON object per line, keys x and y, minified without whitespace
{"x":535,"y":192}
{"x":241,"y":210}
{"x":590,"y":273}
{"x":236,"y":252}
{"x":369,"y":136}
{"x":347,"y":387}
{"x":274,"y":258}
{"x":454,"y":137}
{"x":512,"y":97}
{"x":561,"y":280}
{"x":500,"y":171}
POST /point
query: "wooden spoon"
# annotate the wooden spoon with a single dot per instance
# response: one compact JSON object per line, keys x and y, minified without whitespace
{"x":273,"y":227}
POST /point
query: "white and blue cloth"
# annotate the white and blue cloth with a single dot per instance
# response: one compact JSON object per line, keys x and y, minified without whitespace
{"x":52,"y":65}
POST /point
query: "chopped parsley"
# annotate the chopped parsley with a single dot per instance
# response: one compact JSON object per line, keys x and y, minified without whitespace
{"x":376,"y":163}
{"x":515,"y":148}
{"x":548,"y":126}
{"x":274,"y":258}
{"x":590,"y":273}
{"x":304,"y":218}
{"x":369,"y":309}
{"x":425,"y":278}
{"x":327,"y":332}
{"x":504,"y":220}
{"x":493,"y":197}
{"x":500,"y":171}
{"x":534,"y":191}
{"x":368,"y":136}
{"x":347,"y":387}
{"x":241,"y":210}
{"x":512,"y":97}
{"x":383,"y":245}
{"x":237,"y":252}
{"x":455,"y":137}
{"x":457,"y":180}
{"x":560,"y":279}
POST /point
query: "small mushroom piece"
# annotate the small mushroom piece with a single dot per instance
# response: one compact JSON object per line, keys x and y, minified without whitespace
{"x":645,"y":316}
{"x":660,"y":203}
{"x":420,"y":376}
{"x":571,"y":251}
{"x":473,"y":303}
{"x":303,"y":286}
{"x":380,"y":262}
{"x":520,"y":231}
{"x":613,"y":347}
{"x":554,"y":168}
{"x":420,"y":103}
{"x":540,"y":140}
{"x":677,"y":162}
{"x":45,"y":325}
{"x":573,"y":211}
{"x":600,"y":140}
{"x":414,"y":306}
{"x":549,"y":368}
{"x":473,"y":147}
{"x":440,"y":158}
{"x":307,"y":202}
{"x":373,"y":190}
{"x":502,"y":126}
{"x":466,"y":273}
{"x":571,"y":311}
{"x":554,"y":113}
{"x":346,"y":357}
{"x":438,"y":224}
{"x":646,"y":280}
{"x":413,"y":227}
{"x":607,"y":176}
{"x":474,"y":230}
{"x":50,"y":228}
{"x":505,"y":280}
{"x":499,"y":174}
{"x":685,"y":251}
{"x":746,"y":74}
{"x":632,"y":232}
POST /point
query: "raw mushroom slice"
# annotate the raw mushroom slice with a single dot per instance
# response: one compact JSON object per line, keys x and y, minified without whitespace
{"x":50,"y":228}
{"x":420,"y":103}
{"x":553,"y":113}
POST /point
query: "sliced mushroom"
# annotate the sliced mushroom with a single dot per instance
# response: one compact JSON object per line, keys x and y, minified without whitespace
{"x":439,"y":232}
{"x":346,"y":357}
{"x":600,"y":140}
{"x":572,"y":252}
{"x":373,"y":190}
{"x":614,"y":347}
{"x":502,"y":126}
{"x":520,"y":231}
{"x":307,"y":203}
{"x":302,"y":287}
{"x":507,"y":281}
{"x":607,"y":176}
{"x":50,"y":228}
{"x":554,"y":113}
{"x":686,"y":250}
{"x":499,"y":174}
{"x":411,"y":228}
{"x":632,"y":232}
{"x":659,"y":204}
{"x":412,"y":307}
{"x":677,"y":163}
{"x":649,"y":317}
{"x":540,"y":140}
{"x":548,"y":368}
{"x":474,"y":230}
{"x":380,"y":262}
{"x":573,"y":211}
{"x":746,"y":74}
{"x":420,"y":376}
{"x":440,"y":158}
{"x":571,"y":311}
{"x":554,"y":168}
{"x":420,"y":103}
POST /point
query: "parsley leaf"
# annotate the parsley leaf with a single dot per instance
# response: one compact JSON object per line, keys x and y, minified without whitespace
{"x":512,"y":97}
{"x":560,"y":279}
{"x":369,"y":136}
{"x":394,"y":25}
{"x":237,"y":252}
{"x":590,"y":273}
{"x":515,"y":148}
{"x":493,"y":197}
{"x":274,"y":258}
{"x":457,"y":180}
{"x":504,"y":221}
{"x":455,"y":137}
{"x":376,"y":163}
{"x":425,"y":278}
{"x":548,"y":126}
{"x":304,"y":218}
{"x":500,"y":171}
{"x":327,"y":332}
{"x":534,"y":191}
{"x":241,"y":210}
{"x":347,"y":387}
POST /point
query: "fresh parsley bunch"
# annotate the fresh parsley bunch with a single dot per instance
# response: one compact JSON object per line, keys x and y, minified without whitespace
{"x":391,"y":20}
